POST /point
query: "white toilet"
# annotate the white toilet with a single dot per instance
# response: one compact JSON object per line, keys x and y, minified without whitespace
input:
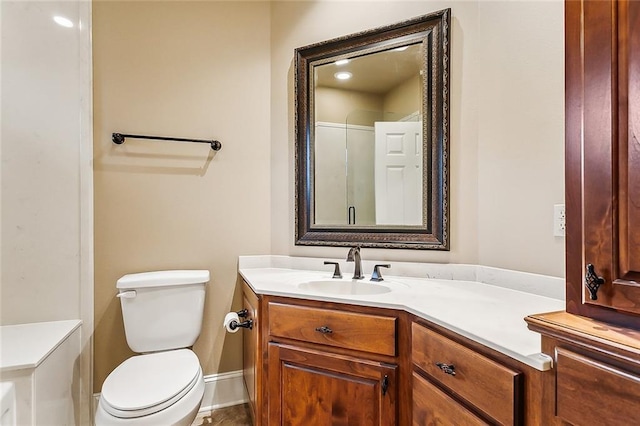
{"x":162,"y":314}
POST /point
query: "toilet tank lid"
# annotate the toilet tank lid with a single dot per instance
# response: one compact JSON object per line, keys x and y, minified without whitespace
{"x":162,"y":278}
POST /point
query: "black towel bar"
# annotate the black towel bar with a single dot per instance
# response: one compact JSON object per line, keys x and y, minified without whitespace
{"x":118,"y":138}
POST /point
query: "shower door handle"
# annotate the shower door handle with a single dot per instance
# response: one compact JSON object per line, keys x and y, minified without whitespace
{"x":351,"y":215}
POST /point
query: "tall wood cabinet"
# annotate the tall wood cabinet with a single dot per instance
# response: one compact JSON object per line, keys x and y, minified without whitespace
{"x":603,"y":159}
{"x":595,"y":344}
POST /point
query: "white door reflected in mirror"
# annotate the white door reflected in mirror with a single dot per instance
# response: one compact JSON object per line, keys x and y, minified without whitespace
{"x":398,"y":172}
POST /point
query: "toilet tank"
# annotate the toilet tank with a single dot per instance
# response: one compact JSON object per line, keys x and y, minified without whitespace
{"x":162,"y":310}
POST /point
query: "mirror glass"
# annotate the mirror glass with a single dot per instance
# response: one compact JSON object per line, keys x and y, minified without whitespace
{"x":368,"y":139}
{"x":372,"y":137}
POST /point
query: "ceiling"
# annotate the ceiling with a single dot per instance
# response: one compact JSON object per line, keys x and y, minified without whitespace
{"x":375,"y":73}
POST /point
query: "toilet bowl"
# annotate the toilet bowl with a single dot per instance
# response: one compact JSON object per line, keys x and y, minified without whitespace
{"x":163,"y":386}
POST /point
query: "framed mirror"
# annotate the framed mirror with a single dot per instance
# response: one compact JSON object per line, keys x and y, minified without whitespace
{"x":372,"y":132}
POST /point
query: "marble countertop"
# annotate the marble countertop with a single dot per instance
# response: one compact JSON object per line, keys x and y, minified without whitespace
{"x":27,"y":345}
{"x":487,"y":305}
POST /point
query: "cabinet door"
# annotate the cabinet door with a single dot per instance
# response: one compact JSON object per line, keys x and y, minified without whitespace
{"x":591,"y":392}
{"x":308,"y":387}
{"x":251,"y":356}
{"x":603,"y":157}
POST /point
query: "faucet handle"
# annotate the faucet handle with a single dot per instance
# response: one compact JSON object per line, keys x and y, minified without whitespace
{"x":376,"y":275}
{"x":336,"y":270}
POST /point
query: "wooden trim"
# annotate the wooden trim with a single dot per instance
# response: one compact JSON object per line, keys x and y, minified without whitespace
{"x":612,"y":340}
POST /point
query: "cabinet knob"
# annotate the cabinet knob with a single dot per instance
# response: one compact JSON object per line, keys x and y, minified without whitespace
{"x":324,"y":330}
{"x":593,"y":282}
{"x":447,"y":368}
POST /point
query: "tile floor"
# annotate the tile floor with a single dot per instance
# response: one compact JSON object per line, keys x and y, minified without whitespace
{"x":237,"y":415}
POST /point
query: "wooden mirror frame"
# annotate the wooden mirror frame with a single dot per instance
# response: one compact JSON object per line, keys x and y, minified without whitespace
{"x":433,"y":30}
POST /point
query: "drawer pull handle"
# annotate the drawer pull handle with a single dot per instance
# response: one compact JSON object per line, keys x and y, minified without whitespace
{"x":447,"y":368}
{"x":324,"y":330}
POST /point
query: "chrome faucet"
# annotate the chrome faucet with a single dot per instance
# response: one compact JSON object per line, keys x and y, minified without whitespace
{"x":354,"y":256}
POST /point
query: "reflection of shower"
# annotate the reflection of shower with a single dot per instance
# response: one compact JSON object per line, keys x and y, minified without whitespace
{"x":360,"y":150}
{"x":360,"y":162}
{"x":344,"y":188}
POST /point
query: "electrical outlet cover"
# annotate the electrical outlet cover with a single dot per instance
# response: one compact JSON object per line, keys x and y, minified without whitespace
{"x":559,"y":221}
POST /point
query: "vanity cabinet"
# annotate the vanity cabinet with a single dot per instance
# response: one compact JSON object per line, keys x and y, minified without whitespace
{"x":331,"y":364}
{"x":597,"y":370}
{"x":311,"y":362}
{"x":455,"y":384}
{"x":602,"y":159}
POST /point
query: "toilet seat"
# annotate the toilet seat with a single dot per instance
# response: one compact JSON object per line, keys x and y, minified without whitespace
{"x":146,"y":384}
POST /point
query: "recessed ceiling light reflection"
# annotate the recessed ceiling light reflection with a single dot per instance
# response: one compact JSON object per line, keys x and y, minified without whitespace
{"x":63,"y":22}
{"x":342,"y":62}
{"x":343,"y":75}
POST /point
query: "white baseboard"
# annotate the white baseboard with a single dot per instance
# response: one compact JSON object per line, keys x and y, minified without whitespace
{"x":220,"y":390}
{"x":223,"y":390}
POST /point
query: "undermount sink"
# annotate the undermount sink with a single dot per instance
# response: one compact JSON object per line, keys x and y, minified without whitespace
{"x":345,"y":287}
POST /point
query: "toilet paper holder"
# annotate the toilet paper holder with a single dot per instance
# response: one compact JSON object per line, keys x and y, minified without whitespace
{"x":244,"y":324}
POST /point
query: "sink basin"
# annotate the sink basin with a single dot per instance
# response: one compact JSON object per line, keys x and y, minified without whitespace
{"x":345,"y":287}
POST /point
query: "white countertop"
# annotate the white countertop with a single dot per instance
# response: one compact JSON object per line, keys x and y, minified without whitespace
{"x":487,"y":305}
{"x":27,"y":345}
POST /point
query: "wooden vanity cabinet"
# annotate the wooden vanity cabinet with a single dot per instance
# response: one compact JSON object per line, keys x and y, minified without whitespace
{"x":597,"y":370}
{"x":331,"y":364}
{"x":319,"y":363}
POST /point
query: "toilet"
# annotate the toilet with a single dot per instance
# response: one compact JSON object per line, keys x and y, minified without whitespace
{"x":162,"y":314}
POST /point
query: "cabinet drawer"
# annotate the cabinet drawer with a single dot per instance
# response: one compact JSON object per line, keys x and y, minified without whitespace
{"x":590,"y":392}
{"x":431,"y":406}
{"x":491,"y":387}
{"x":349,"y":330}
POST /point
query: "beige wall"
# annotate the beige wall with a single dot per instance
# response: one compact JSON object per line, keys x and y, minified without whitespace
{"x":225,"y":70}
{"x":521,"y":135}
{"x":506,"y":139}
{"x":337,"y":106}
{"x":185,"y":69}
{"x":404,"y":99}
